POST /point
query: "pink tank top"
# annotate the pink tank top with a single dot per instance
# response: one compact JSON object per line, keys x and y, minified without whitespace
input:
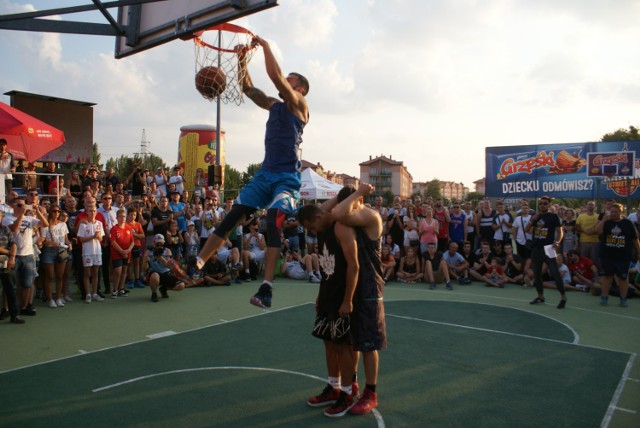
{"x":428,"y":232}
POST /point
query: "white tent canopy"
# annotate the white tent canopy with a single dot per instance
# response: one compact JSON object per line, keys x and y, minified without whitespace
{"x":317,"y":187}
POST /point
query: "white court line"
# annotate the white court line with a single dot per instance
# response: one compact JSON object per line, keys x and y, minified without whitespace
{"x":613,"y":405}
{"x":456,"y":292}
{"x":576,"y":336}
{"x":82,"y":352}
{"x":378,"y":416}
{"x":161,"y":334}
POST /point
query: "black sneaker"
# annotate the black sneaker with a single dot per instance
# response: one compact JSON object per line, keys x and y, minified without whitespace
{"x":17,"y":320}
{"x":122,"y":293}
{"x":29,"y":310}
{"x":163,"y":292}
{"x":154,"y":297}
{"x":3,"y":313}
{"x":562,"y":304}
{"x":340,"y":407}
{"x":262,"y":298}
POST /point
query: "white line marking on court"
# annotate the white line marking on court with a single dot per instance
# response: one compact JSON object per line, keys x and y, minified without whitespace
{"x":221,"y":320}
{"x":161,"y":334}
{"x":616,"y":396}
{"x":144,"y":340}
{"x":626,"y":410}
{"x":376,"y":413}
{"x":478,"y":328}
{"x":633,"y":380}
{"x":82,"y":351}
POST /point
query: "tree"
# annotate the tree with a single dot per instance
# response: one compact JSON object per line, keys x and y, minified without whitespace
{"x":433,"y":189}
{"x":251,"y":171}
{"x":123,"y":165}
{"x":232,"y":181}
{"x":95,"y":156}
{"x":474,"y":196}
{"x":622,"y":135}
{"x":387,"y":198}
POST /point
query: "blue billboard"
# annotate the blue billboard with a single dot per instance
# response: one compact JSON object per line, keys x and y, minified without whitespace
{"x":558,"y":170}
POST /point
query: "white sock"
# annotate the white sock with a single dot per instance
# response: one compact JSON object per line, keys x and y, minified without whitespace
{"x":346,"y":389}
{"x":334,"y":381}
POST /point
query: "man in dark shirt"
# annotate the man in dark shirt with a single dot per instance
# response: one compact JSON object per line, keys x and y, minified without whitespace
{"x":547,"y":234}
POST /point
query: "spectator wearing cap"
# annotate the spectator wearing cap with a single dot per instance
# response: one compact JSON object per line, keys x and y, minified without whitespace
{"x":159,"y":273}
{"x":179,"y":211}
{"x":90,"y":179}
{"x":6,"y":166}
{"x":177,"y":179}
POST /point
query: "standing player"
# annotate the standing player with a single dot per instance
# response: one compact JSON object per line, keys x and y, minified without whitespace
{"x":547,"y":230}
{"x":369,"y":327}
{"x":618,"y":239}
{"x":276,"y":185}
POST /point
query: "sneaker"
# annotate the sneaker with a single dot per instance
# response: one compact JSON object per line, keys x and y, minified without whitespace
{"x":129,"y":284}
{"x":461,"y":280}
{"x":17,"y":320}
{"x":432,"y":286}
{"x":97,"y":298}
{"x":562,"y":304}
{"x":604,"y":300}
{"x":154,"y":297}
{"x":340,"y":407}
{"x":262,"y":298}
{"x":467,"y":280}
{"x":449,"y":286}
{"x":60,"y":303}
{"x":3,"y":313}
{"x":623,"y":302}
{"x":139,"y":284}
{"x":114,"y":294}
{"x":237,"y":280}
{"x":314,"y":279}
{"x":163,"y":292}
{"x":122,"y":293}
{"x":68,"y":299}
{"x":366,"y":404}
{"x":328,"y":396}
{"x":102,"y":295}
{"x":29,"y":310}
{"x":87,"y":299}
{"x":237,"y":266}
{"x":52,"y":304}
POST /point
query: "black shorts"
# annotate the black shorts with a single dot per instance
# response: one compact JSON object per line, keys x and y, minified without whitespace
{"x":116,"y":263}
{"x":369,"y":327}
{"x":616,"y":267}
{"x":333,"y":328}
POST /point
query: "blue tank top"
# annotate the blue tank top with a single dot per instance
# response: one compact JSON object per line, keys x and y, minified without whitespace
{"x":282,"y":139}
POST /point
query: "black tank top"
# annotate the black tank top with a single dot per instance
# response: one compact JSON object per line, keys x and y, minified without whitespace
{"x":370,"y":278}
{"x":333,"y":267}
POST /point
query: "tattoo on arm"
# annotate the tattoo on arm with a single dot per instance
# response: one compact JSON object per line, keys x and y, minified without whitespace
{"x":258,"y":97}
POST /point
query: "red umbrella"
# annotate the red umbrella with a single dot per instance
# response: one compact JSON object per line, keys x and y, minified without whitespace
{"x":27,"y":137}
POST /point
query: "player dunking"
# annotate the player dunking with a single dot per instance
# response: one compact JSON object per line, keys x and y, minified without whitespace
{"x":276,"y":185}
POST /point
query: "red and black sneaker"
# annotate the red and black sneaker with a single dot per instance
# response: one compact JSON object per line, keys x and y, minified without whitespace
{"x":262,"y":298}
{"x":328,"y":396}
{"x":355,"y":390}
{"x":367,"y":403}
{"x":341,"y":406}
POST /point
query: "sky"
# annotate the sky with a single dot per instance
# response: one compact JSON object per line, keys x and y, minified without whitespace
{"x":430,"y":83}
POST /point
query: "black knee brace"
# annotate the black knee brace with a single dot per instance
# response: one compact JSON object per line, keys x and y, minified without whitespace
{"x":275,"y":220}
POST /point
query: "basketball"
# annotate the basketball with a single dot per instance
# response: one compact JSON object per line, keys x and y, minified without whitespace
{"x":211,"y":82}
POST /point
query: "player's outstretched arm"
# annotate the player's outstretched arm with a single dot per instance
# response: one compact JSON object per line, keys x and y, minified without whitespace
{"x":246,"y":83}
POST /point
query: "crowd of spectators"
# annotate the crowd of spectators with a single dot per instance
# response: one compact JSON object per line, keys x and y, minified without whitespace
{"x":427,"y":241}
{"x":106,"y":237}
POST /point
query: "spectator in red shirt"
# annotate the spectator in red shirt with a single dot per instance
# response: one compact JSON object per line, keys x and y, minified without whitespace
{"x":121,"y":239}
{"x":583,"y":272}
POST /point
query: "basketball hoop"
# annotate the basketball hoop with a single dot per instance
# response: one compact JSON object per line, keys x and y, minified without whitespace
{"x":215,"y":48}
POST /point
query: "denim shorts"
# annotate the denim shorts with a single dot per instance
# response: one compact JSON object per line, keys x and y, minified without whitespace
{"x":48,"y":255}
{"x":25,"y":271}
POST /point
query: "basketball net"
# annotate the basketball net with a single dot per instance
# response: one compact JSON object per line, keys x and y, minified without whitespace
{"x":215,"y":47}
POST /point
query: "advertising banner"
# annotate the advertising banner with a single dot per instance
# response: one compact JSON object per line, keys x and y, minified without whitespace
{"x":562,"y":170}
